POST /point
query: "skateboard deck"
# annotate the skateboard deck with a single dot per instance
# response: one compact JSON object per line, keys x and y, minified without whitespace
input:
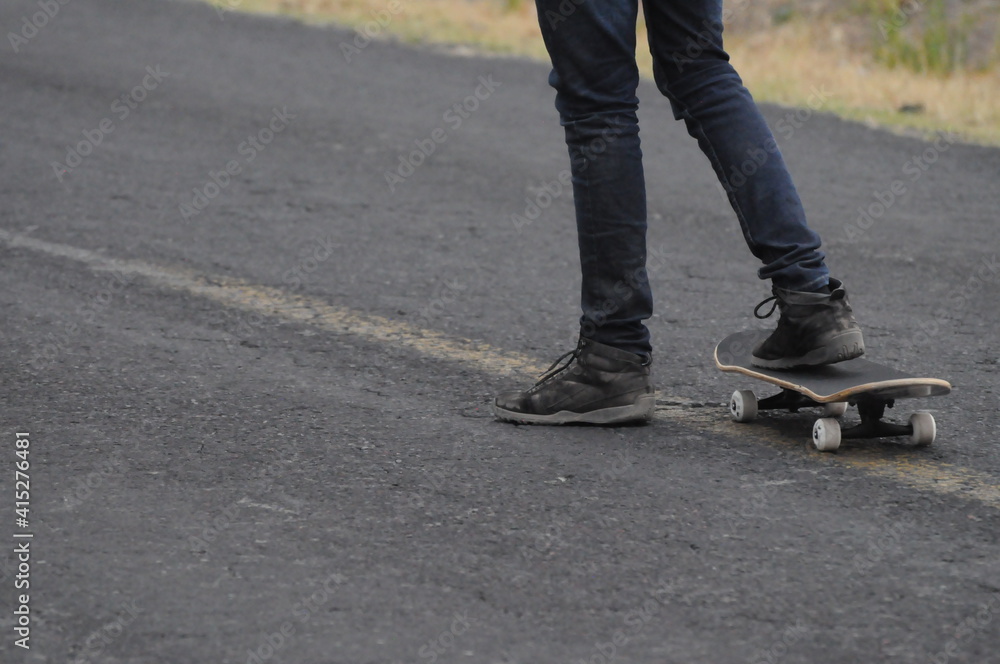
{"x":871,"y":386}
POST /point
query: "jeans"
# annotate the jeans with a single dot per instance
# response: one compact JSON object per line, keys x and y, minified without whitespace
{"x":592,"y":47}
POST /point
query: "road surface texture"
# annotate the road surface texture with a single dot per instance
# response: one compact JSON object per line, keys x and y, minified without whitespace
{"x":260,"y":281}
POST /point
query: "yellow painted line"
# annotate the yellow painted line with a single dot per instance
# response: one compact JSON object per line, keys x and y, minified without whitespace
{"x":909,"y":469}
{"x":274,"y":302}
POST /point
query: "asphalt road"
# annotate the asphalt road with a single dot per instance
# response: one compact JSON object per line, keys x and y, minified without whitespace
{"x":260,"y":281}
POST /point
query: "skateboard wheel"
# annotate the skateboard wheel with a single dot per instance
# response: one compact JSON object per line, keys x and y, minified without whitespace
{"x":826,"y":434}
{"x":924,"y":429}
{"x":834,"y":409}
{"x":743,"y":406}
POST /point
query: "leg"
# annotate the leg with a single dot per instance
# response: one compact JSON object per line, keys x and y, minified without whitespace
{"x":606,"y":379}
{"x":592,"y":47}
{"x":693,"y":71}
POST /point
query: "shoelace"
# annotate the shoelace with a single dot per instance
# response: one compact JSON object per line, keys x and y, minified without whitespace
{"x":554,"y":369}
{"x":774,"y":300}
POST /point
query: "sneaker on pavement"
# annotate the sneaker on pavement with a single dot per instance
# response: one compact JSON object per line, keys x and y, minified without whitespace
{"x":813,"y":329}
{"x":597,"y":384}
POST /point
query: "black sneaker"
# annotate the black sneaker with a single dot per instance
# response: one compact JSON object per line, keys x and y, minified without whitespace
{"x":598,"y":384}
{"x":814,"y":329}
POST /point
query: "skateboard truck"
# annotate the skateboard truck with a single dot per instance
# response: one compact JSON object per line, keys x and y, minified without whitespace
{"x":921,"y":429}
{"x":871,"y":409}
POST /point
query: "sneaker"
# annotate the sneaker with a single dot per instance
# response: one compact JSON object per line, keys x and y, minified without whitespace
{"x":814,"y":329}
{"x":597,"y":384}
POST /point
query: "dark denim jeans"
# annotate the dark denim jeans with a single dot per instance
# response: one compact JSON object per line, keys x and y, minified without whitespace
{"x":592,"y":47}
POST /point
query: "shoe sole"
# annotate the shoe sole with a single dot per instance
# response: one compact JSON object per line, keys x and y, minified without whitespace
{"x":640,"y":411}
{"x":845,"y":346}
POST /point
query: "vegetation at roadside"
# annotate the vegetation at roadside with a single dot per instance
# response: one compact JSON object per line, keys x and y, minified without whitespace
{"x":917,"y":65}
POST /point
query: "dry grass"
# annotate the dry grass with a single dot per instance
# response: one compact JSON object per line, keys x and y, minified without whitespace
{"x":792,"y":63}
{"x":489,"y":26}
{"x":797,"y":63}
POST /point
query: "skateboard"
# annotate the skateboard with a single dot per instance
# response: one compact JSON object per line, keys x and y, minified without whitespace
{"x":870,"y":386}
